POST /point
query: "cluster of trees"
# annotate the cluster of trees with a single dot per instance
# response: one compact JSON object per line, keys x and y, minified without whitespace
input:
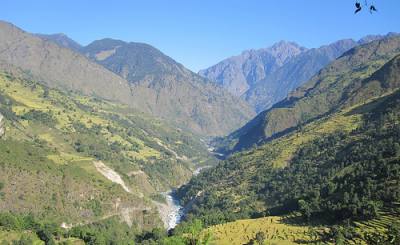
{"x":107,"y":232}
{"x":110,"y":231}
{"x":46,"y":231}
{"x":187,"y":233}
{"x":45,"y":118}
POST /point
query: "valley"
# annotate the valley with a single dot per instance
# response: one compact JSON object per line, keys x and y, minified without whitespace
{"x":114,"y":142}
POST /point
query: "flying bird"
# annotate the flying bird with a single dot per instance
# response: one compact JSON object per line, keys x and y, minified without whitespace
{"x":358,"y":8}
{"x":372,"y":9}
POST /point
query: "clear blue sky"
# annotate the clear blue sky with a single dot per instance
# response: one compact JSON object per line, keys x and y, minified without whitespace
{"x":203,"y":32}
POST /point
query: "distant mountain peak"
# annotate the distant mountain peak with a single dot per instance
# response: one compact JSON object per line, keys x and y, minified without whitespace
{"x":265,"y":76}
{"x":282,"y":44}
{"x":239,"y":73}
{"x":167,"y":88}
{"x":61,"y":39}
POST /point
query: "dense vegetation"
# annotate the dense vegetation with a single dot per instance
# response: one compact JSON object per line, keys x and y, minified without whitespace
{"x":343,"y":176}
{"x":107,"y":232}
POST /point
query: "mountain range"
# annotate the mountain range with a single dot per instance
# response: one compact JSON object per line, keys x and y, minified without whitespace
{"x":93,"y":139}
{"x":137,"y":75}
{"x":318,"y":96}
{"x":263,"y":77}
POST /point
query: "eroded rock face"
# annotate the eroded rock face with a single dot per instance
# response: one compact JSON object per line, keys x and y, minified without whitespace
{"x":2,"y":129}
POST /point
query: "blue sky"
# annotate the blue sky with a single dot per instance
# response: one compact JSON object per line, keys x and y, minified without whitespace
{"x":200,"y":33}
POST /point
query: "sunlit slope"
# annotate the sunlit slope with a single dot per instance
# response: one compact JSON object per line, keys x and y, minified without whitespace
{"x":53,"y":139}
{"x":342,"y":167}
{"x":275,"y":229}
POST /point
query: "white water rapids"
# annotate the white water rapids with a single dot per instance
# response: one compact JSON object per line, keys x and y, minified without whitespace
{"x":172,"y":212}
{"x":175,"y":210}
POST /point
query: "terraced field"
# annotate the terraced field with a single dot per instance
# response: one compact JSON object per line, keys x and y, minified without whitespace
{"x":275,"y":229}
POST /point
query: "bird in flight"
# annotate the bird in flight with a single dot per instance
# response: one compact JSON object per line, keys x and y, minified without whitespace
{"x":372,"y":9}
{"x":358,"y":7}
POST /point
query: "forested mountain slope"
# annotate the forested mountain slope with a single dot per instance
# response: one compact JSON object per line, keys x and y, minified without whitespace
{"x":343,"y":166}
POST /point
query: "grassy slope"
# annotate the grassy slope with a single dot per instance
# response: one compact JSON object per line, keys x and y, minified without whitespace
{"x":45,"y":172}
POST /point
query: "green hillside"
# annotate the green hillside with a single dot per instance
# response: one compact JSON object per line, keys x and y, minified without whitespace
{"x":61,"y":150}
{"x":342,"y":168}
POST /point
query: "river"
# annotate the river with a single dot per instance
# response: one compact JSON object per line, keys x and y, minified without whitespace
{"x":174,"y":211}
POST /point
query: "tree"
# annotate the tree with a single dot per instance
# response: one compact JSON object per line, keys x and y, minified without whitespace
{"x":46,"y":93}
{"x":304,"y":208}
{"x":260,"y":237}
{"x":394,"y":233}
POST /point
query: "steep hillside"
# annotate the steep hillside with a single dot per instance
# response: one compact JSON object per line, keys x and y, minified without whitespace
{"x":239,"y":73}
{"x":73,"y":159}
{"x":324,"y":93}
{"x":342,"y":169}
{"x":169,"y":90}
{"x":59,"y":67}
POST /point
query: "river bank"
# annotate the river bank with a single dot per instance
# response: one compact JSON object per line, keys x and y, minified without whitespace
{"x":171,"y":211}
